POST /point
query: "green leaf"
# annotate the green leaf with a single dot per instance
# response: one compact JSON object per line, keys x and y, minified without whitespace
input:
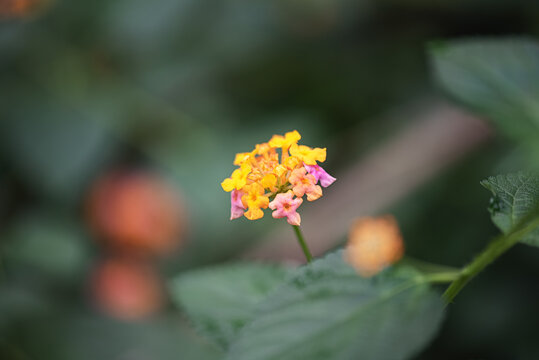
{"x":496,"y":78}
{"x":515,"y":196}
{"x":221,"y":300}
{"x":327,"y":311}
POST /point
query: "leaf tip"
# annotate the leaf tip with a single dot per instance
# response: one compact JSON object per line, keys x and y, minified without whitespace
{"x":436,"y":46}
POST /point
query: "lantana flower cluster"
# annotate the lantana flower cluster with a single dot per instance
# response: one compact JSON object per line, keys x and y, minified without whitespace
{"x":267,"y":179}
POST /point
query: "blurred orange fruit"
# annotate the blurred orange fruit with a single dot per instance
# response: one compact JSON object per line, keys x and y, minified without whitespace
{"x":19,"y":8}
{"x":136,"y":212}
{"x":126,"y":289}
{"x":373,"y":244}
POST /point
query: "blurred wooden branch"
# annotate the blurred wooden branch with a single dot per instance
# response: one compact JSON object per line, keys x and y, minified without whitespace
{"x":441,"y":135}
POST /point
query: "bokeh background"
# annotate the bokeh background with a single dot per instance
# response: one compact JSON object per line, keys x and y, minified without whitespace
{"x":119,"y":119}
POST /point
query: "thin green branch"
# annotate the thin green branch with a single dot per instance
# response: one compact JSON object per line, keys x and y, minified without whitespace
{"x":441,"y":277}
{"x":428,"y":267}
{"x":496,"y":248}
{"x":303,"y":244}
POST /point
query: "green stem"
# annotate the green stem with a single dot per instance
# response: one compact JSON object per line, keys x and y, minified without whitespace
{"x":496,"y":248}
{"x":433,"y":278}
{"x":441,"y":277}
{"x":427,"y":267}
{"x":303,"y":244}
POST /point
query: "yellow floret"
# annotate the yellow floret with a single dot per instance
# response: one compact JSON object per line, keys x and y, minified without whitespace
{"x":308,"y":155}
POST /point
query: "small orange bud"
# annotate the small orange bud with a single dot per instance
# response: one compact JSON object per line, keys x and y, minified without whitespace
{"x":126,"y":289}
{"x":373,"y":244}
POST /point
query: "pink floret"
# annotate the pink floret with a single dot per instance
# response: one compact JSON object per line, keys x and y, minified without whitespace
{"x":284,"y":205}
{"x":320,"y":175}
{"x":236,"y":209}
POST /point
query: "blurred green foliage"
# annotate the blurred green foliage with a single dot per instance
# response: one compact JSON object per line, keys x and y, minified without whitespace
{"x":498,"y":80}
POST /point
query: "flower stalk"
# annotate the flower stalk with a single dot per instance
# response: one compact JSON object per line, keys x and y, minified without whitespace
{"x":302,"y":243}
